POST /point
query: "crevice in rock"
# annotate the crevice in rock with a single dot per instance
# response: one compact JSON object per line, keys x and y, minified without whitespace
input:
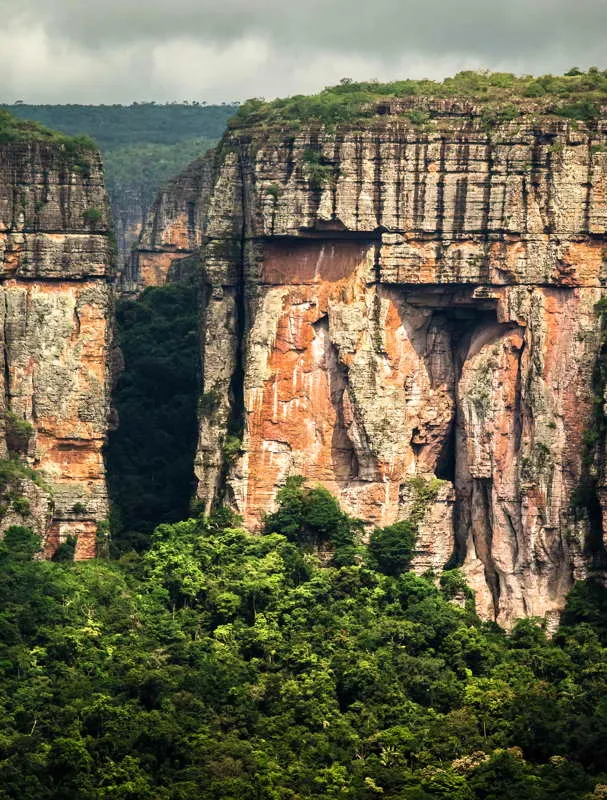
{"x":482,"y":491}
{"x":445,"y":467}
{"x":236,"y":419}
{"x":589,"y":495}
{"x":150,"y":452}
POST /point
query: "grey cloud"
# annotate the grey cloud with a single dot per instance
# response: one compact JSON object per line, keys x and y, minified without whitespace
{"x":379,"y":27}
{"x":295,"y":41}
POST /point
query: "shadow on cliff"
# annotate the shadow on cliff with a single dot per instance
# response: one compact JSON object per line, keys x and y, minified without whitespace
{"x":150,"y":454}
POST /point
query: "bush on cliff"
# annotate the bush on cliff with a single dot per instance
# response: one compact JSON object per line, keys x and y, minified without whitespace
{"x":311,"y":517}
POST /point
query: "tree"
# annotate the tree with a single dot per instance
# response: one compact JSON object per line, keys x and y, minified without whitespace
{"x":392,"y":547}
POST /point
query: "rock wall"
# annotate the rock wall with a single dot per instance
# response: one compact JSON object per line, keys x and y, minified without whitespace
{"x":172,"y":229}
{"x":55,"y":324}
{"x":406,"y":314}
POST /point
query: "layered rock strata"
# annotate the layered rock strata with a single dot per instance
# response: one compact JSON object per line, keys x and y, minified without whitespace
{"x":55,"y":322}
{"x":406,"y":314}
{"x":172,"y":230}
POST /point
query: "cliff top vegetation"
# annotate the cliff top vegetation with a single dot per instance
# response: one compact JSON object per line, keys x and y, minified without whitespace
{"x":124,"y":126}
{"x":13,"y":129}
{"x":575,"y":95}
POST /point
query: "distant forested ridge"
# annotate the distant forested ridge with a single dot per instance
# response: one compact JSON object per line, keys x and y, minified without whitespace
{"x":119,"y":126}
{"x":143,"y":145}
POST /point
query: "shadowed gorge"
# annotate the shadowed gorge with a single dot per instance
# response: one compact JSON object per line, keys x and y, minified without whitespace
{"x":150,"y":452}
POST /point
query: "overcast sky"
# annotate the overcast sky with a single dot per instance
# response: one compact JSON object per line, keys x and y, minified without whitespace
{"x":117,"y":51}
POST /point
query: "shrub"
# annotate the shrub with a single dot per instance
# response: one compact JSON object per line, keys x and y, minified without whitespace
{"x":453,"y":583}
{"x":67,"y":550}
{"x":18,"y":432}
{"x":20,"y":543}
{"x":92,"y":216}
{"x":232,"y":446}
{"x":311,"y":517}
{"x":393,"y":547}
{"x":22,"y":506}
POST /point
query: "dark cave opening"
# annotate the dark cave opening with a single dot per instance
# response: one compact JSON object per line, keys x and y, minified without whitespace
{"x":445,"y":467}
{"x":461,"y":322}
{"x":465,"y":320}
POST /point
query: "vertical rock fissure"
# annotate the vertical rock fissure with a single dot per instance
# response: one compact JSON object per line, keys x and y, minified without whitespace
{"x":236,"y":416}
{"x":6,"y":355}
{"x":587,"y":497}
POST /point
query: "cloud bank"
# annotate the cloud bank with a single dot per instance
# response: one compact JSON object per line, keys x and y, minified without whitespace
{"x":224,"y":50}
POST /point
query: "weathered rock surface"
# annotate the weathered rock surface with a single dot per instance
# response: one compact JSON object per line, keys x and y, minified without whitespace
{"x":172,"y":230}
{"x":55,"y":323}
{"x":389,"y":305}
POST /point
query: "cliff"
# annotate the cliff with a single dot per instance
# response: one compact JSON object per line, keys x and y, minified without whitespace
{"x":55,"y":310}
{"x":402,"y":308}
{"x":172,"y":230}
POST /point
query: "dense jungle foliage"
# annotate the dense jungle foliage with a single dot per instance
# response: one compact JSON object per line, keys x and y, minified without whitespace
{"x":151,"y":453}
{"x":577,"y":95}
{"x":225,"y":666}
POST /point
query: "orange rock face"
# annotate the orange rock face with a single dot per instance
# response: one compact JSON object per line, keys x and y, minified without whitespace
{"x":55,"y":318}
{"x":416,"y":331}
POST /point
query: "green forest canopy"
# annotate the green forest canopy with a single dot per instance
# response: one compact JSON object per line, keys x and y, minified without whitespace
{"x":225,"y":666}
{"x":13,"y":129}
{"x":119,"y":126}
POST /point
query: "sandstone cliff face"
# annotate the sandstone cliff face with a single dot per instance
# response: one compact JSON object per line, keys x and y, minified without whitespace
{"x":407,"y":315}
{"x":172,"y":229}
{"x":55,"y":318}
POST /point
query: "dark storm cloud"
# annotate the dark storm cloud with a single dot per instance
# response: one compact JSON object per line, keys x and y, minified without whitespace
{"x":286,"y":45}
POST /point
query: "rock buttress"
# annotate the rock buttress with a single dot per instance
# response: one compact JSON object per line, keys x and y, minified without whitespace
{"x":407,"y":316}
{"x":55,"y":315}
{"x":172,"y":229}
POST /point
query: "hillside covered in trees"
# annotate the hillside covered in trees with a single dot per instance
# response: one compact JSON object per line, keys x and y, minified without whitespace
{"x":287,"y":666}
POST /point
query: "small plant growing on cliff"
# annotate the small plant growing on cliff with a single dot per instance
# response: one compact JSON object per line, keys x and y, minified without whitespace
{"x":92,"y":216}
{"x":417,"y":118}
{"x":318,"y":171}
{"x":424,"y":492}
{"x":22,"y":506}
{"x":453,"y":585}
{"x":18,"y":432}
{"x":12,"y":472}
{"x":79,"y":508}
{"x":208,"y":403}
{"x":232,"y":447}
{"x":273,"y":190}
